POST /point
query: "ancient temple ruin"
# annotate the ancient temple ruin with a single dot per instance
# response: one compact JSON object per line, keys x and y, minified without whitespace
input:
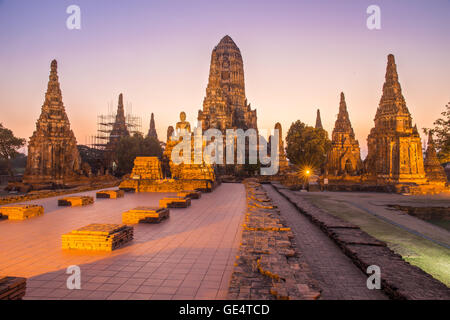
{"x":344,"y":157}
{"x":53,"y":156}
{"x":225,"y":105}
{"x":394,"y":146}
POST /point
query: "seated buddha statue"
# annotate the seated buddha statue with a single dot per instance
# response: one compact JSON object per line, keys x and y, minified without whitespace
{"x":183,"y":125}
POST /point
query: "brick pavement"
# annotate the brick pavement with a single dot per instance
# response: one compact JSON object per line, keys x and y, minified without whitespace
{"x":337,"y":275}
{"x":188,"y":256}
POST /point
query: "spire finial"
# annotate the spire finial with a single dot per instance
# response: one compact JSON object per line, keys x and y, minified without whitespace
{"x":120,"y":108}
{"x":391,"y":70}
{"x":53,"y":82}
{"x":342,"y":104}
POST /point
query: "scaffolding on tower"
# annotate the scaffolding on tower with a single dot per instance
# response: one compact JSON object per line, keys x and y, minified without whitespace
{"x":105,"y":123}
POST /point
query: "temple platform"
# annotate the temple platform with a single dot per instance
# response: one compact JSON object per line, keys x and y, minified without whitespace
{"x":110,"y":194}
{"x":191,"y":194}
{"x":21,"y":211}
{"x":175,"y":202}
{"x":145,"y":215}
{"x":75,"y":201}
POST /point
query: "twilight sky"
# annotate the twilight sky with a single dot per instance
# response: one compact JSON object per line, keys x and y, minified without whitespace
{"x":298,"y":56}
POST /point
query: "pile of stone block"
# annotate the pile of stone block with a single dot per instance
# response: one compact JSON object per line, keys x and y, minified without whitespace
{"x":98,"y":237}
{"x":191,"y":194}
{"x":145,"y":214}
{"x":21,"y":211}
{"x":75,"y":201}
{"x":12,"y":288}
{"x":175,"y":202}
{"x":268,"y":265}
{"x":110,"y":194}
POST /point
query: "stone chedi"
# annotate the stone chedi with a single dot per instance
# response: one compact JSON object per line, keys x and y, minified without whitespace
{"x":435,"y":173}
{"x":318,"y":120}
{"x":344,"y":156}
{"x":119,"y":128}
{"x":394,"y":146}
{"x":152,"y":130}
{"x":53,"y":156}
{"x":225,"y":105}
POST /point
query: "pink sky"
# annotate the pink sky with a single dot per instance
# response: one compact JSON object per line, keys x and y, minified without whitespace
{"x":298,"y":56}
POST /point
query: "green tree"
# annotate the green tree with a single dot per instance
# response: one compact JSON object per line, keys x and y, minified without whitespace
{"x":441,"y":135}
{"x":9,"y":146}
{"x":128,"y":148}
{"x":307,"y":146}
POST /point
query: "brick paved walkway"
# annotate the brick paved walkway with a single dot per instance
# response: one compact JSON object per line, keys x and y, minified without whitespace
{"x":190,"y":255}
{"x":338,"y":277}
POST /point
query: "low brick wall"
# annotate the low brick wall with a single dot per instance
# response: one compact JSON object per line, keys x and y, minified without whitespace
{"x":268,"y":265}
{"x":399,"y":279}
